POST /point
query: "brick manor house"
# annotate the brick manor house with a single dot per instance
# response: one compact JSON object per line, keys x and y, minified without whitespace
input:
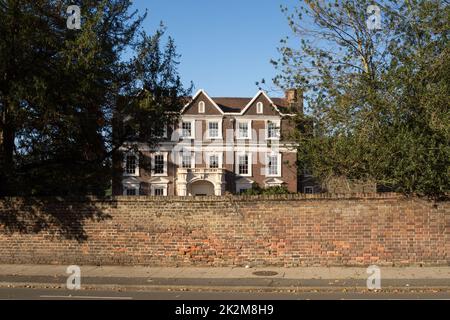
{"x":218,"y":145}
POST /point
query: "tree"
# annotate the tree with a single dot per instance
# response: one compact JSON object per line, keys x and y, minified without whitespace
{"x":151,"y":101}
{"x":155,"y":93}
{"x":378,"y":98}
{"x":60,"y":88}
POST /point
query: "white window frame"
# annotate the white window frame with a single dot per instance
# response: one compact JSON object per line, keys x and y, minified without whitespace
{"x":249,"y":130}
{"x":219,"y":157}
{"x":250,"y":164}
{"x":219,"y":129}
{"x":259,"y":108}
{"x":153,"y":164}
{"x":278,"y":129}
{"x":201,"y":107}
{"x":192,"y":136}
{"x":192,"y":159}
{"x":124,"y":164}
{"x":279,"y":158}
{"x":130,"y":186}
{"x":155,"y":186}
{"x":310,"y":188}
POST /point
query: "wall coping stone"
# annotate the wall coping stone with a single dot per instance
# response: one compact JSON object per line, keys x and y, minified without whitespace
{"x":226,"y":198}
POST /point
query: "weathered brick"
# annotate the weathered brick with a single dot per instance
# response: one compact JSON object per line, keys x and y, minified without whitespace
{"x":284,"y":230}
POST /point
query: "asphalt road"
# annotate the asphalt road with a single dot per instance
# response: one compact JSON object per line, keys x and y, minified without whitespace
{"x":62,"y":294}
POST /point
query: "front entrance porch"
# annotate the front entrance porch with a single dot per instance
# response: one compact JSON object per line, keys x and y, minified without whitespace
{"x":201,"y":188}
{"x":200,"y":181}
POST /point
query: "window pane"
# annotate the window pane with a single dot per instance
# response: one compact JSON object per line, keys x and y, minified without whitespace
{"x":259,"y":107}
{"x":201,"y":107}
{"x":213,"y":129}
{"x":159,"y":164}
{"x":309,"y":190}
{"x":186,"y":160}
{"x":272,"y":130}
{"x":131,"y":192}
{"x":214,"y":161}
{"x":243,"y":129}
{"x":273,"y":165}
{"x":159,"y":191}
{"x":130,"y":166}
{"x":243,"y":164}
{"x":186,"y":129}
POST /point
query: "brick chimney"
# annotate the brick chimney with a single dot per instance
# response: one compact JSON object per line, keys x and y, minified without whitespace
{"x":294,"y":99}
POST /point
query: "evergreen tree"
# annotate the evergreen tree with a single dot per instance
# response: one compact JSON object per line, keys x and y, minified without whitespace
{"x":59,"y":90}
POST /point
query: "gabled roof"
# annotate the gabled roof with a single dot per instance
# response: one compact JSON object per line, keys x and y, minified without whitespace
{"x":239,"y":105}
{"x":199,"y":92}
{"x":260,"y":92}
{"x":231,"y":104}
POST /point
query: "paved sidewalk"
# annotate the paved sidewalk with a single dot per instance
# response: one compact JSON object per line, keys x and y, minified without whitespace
{"x":228,"y":278}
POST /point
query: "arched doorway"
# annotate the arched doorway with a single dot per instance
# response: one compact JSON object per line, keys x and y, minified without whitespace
{"x":201,"y":188}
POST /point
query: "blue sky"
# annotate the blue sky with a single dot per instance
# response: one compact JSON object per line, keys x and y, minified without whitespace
{"x":225,"y":45}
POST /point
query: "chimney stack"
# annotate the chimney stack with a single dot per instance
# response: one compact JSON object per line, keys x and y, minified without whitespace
{"x":294,"y":99}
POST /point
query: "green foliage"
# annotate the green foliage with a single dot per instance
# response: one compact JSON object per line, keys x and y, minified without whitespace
{"x":256,"y":189}
{"x":61,"y":89}
{"x":157,"y":92}
{"x":378,"y":99}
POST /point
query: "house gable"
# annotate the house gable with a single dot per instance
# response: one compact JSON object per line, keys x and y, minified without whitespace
{"x":268,"y":107}
{"x":210,"y":107}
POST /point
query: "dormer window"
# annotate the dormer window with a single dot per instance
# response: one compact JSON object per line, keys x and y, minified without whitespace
{"x":201,"y":107}
{"x":259,"y":107}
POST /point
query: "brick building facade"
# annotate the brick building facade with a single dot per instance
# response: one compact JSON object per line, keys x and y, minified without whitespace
{"x":217,"y":145}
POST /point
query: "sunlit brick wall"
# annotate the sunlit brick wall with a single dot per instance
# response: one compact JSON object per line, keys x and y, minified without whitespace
{"x":283,"y":230}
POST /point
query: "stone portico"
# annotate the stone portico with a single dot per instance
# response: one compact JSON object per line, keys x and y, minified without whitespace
{"x":200,"y":181}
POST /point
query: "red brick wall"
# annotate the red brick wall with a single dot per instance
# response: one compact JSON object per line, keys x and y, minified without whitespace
{"x":285,"y":230}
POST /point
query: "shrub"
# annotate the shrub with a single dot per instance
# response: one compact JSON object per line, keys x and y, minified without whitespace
{"x":256,"y":189}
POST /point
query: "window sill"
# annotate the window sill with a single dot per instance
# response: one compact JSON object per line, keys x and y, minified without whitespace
{"x":160,"y":175}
